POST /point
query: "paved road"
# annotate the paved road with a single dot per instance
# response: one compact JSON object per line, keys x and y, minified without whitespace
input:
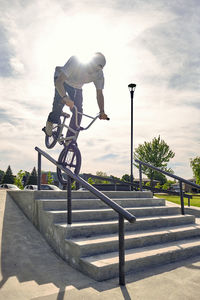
{"x":30,"y":269}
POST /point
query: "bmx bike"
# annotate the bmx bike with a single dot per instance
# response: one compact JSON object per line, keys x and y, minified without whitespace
{"x":70,"y":156}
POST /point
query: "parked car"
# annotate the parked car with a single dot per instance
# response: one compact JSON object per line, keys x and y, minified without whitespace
{"x":82,"y":189}
{"x":31,"y":187}
{"x":9,"y":186}
{"x":44,"y":187}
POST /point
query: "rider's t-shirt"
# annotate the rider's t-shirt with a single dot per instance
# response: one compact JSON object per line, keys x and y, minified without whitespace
{"x":78,"y":74}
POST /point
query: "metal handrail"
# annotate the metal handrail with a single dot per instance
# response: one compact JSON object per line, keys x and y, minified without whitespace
{"x":123,"y":213}
{"x":135,"y":185}
{"x":180,"y":179}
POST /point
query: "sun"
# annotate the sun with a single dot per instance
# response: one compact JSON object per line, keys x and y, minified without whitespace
{"x":85,"y":56}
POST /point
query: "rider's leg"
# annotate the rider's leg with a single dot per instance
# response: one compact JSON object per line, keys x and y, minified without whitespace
{"x":54,"y":116}
{"x":78,"y":101}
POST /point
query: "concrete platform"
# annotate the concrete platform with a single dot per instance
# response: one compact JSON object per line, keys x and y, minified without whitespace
{"x":30,"y":269}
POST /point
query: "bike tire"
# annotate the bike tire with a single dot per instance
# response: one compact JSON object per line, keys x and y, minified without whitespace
{"x":70,"y":157}
{"x":50,"y":141}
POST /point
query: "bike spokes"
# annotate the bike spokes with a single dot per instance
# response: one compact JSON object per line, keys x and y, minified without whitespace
{"x":50,"y":141}
{"x":69,"y":158}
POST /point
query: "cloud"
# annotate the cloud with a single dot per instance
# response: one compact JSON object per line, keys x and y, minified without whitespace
{"x":107,"y":157}
{"x":152,"y":43}
{"x":170,"y":46}
{"x":6,"y":54}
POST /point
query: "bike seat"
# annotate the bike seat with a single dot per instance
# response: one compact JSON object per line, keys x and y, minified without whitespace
{"x":64,"y":114}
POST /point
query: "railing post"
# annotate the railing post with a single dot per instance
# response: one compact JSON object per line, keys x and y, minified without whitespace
{"x":189,"y":202}
{"x":181,"y":196}
{"x":140,"y":175}
{"x":121,"y":251}
{"x":69,"y":201}
{"x":39,"y":171}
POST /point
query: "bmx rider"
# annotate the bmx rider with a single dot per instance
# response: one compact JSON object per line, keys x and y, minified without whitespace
{"x":68,"y":81}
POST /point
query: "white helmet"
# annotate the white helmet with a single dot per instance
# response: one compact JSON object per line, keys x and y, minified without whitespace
{"x":99,"y":59}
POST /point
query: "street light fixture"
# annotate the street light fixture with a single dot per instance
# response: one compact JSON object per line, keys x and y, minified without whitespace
{"x":132,"y":87}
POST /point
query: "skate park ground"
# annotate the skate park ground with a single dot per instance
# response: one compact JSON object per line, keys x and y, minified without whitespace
{"x":30,"y":269}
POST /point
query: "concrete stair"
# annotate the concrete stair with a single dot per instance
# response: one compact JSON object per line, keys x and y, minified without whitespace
{"x":160,"y":235}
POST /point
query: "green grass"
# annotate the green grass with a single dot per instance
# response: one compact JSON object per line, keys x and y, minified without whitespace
{"x":195,"y":201}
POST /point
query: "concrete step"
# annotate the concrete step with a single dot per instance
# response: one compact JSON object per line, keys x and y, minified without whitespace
{"x":61,"y":204}
{"x":110,"y":214}
{"x":108,"y":243}
{"x":88,"y":229}
{"x":105,"y":266}
{"x":89,"y":195}
{"x":160,"y":234}
{"x":112,"y":194}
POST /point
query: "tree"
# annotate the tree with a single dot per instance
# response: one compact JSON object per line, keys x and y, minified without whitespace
{"x":49,"y":178}
{"x":101,"y":174}
{"x":160,"y":177}
{"x":126,"y":177}
{"x":168,"y":185}
{"x":114,"y":177}
{"x":32,"y":179}
{"x":158,"y":186}
{"x":195,"y":164}
{"x":19,"y":179}
{"x":1,"y":175}
{"x":25,"y":178}
{"x":8,"y":176}
{"x":156,"y":153}
{"x":90,"y":180}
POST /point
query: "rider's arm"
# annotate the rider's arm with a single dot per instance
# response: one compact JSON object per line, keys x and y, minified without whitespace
{"x":59,"y":85}
{"x":100,"y":101}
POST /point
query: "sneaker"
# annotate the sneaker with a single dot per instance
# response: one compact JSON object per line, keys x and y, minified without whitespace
{"x":48,"y":128}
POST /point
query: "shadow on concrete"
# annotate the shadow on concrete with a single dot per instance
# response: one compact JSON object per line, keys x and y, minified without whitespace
{"x":125,"y":293}
{"x":188,"y":263}
{"x":26,"y":255}
{"x":193,"y":266}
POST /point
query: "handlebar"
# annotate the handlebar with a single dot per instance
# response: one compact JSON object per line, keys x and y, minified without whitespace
{"x":76,"y":119}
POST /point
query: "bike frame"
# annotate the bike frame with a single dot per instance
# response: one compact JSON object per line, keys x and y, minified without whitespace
{"x":61,"y":140}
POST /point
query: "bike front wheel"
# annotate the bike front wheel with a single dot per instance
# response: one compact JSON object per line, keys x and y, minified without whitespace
{"x":70,"y":158}
{"x":50,"y":141}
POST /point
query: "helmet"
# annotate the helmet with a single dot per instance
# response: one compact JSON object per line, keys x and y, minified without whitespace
{"x":99,"y":59}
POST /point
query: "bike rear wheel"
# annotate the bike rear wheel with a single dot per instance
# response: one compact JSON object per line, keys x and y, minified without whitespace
{"x":70,"y":158}
{"x":50,"y":141}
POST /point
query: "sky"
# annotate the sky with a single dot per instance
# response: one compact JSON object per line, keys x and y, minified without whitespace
{"x":152,"y":43}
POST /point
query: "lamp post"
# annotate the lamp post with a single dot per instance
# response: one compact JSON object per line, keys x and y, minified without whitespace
{"x":132,"y":87}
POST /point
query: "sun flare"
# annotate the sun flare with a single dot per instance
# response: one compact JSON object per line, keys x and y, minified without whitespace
{"x":84,"y":57}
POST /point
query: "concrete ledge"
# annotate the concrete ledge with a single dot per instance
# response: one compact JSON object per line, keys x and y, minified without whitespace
{"x":193,"y":210}
{"x":26,"y":201}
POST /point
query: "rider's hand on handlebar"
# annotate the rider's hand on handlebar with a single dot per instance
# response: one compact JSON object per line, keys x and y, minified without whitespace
{"x":103,"y":116}
{"x":68,"y":102}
